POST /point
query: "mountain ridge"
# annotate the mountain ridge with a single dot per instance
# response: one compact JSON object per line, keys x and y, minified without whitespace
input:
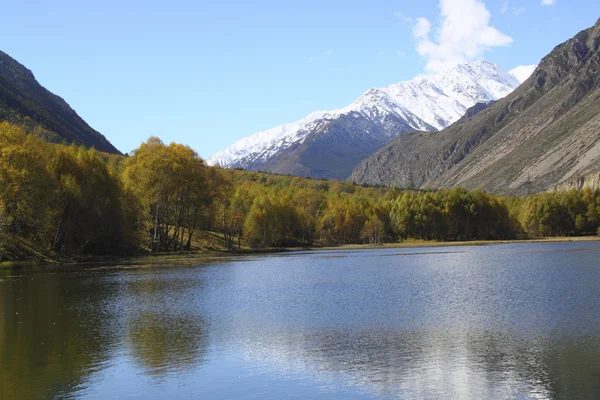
{"x":25,"y":101}
{"x":424,"y":103}
{"x":543,"y":134}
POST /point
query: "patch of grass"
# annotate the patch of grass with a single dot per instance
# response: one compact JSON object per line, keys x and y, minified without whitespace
{"x":15,"y":248}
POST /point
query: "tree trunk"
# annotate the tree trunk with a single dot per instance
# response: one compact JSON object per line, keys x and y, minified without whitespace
{"x":154,"y":239}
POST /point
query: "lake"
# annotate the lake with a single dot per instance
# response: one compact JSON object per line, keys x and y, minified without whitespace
{"x":510,"y":321}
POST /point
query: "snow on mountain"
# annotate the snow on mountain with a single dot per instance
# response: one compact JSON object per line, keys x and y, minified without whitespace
{"x":267,"y":142}
{"x":522,"y":72}
{"x":428,"y":102}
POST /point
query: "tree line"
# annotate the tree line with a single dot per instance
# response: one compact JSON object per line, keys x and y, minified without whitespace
{"x":72,"y":200}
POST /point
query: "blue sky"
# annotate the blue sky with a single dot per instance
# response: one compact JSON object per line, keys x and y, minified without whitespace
{"x":206,"y":73}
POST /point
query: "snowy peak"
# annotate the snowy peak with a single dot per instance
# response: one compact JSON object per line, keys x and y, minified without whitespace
{"x":262,"y":142}
{"x":428,"y":102}
{"x":523,"y":72}
{"x":443,"y":98}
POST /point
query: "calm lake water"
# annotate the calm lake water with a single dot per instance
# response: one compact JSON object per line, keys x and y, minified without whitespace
{"x":518,"y":321}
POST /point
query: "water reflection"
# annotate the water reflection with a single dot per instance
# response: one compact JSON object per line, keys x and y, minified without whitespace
{"x":435,"y":364}
{"x":165,"y":331}
{"x":492,"y":322}
{"x":48,"y":344}
{"x":58,"y":329}
{"x":483,"y":324}
{"x":162,"y":345}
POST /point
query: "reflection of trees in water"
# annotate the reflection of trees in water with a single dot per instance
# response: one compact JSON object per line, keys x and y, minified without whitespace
{"x":163,"y":343}
{"x":57,"y":329}
{"x":437,"y":363}
{"x":572,"y":367}
{"x":49,"y":345}
{"x":164,"y":329}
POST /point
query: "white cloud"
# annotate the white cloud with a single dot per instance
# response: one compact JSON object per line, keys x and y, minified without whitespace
{"x":504,"y":8}
{"x":548,"y":2}
{"x":328,"y":53}
{"x":313,"y":58}
{"x":403,"y":18}
{"x":518,"y":10}
{"x":464,"y":34}
{"x":401,"y":54}
{"x":422,"y":28}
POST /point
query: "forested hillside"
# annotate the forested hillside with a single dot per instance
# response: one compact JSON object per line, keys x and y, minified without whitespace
{"x":66,"y":201}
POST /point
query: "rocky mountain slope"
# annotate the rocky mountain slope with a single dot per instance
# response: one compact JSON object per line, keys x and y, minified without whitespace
{"x":591,"y":181}
{"x":545,"y":133}
{"x":328,"y":144}
{"x":24,"y":101}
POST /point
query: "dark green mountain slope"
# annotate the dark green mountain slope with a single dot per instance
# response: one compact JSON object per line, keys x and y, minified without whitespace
{"x":23,"y":100}
{"x":545,"y":133}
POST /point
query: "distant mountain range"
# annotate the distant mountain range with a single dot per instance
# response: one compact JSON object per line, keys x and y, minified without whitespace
{"x":543,"y":135}
{"x":24,"y":101}
{"x":329,"y":144}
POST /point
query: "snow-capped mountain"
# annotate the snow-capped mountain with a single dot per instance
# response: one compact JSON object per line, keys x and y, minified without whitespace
{"x":523,"y":72}
{"x":344,"y":136}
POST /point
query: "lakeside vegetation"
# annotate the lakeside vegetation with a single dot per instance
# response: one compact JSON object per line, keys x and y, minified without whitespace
{"x":72,"y":201}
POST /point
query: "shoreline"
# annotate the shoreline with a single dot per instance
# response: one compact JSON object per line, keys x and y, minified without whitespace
{"x":412,"y":244}
{"x":201,"y":256}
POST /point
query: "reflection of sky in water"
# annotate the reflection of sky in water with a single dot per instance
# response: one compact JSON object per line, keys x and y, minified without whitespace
{"x":506,"y":321}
